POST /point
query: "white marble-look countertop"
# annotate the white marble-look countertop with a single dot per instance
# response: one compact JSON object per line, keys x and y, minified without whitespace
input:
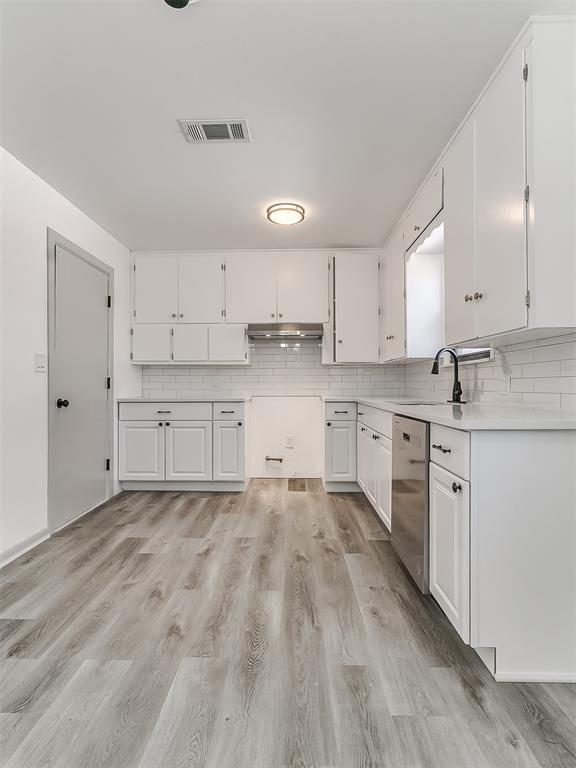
{"x":470,"y":416}
{"x":190,"y":399}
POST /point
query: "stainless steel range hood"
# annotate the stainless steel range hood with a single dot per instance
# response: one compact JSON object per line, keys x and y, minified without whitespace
{"x":286,"y":331}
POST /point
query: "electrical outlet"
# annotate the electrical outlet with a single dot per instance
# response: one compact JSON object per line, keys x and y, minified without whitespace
{"x":290,"y":441}
{"x":40,"y":362}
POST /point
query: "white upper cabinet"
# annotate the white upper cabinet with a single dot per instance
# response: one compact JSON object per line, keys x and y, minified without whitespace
{"x":251,"y":287}
{"x":227,"y":343}
{"x":499,"y":206}
{"x":155,"y":288}
{"x":392,"y":317}
{"x":459,"y":271}
{"x":425,"y":207}
{"x":200,"y":288}
{"x":151,"y":342}
{"x":189,"y":342}
{"x":303,"y":287}
{"x":356,"y":306}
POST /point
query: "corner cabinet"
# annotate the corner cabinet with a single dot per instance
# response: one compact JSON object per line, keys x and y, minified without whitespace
{"x":185,"y":445}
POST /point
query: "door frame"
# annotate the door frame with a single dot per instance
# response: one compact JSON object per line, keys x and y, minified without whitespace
{"x":55,"y":239}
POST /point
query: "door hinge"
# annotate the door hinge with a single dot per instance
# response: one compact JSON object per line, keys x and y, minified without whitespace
{"x":223,"y":267}
{"x":527,"y":193}
{"x":107,"y":465}
{"x":379,"y":265}
{"x":109,"y":301}
{"x":134,"y":313}
{"x":108,"y":382}
{"x":134,"y":267}
{"x":131,"y":331}
{"x":525,"y":72}
{"x":527,"y":298}
{"x":131,"y":355}
{"x":379,"y":312}
{"x":223,"y":313}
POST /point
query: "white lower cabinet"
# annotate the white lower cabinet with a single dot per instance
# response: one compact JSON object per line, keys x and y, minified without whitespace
{"x":191,"y":449}
{"x":450,"y":547}
{"x":340,"y":451}
{"x":374,"y":470}
{"x":384,"y":480}
{"x":141,"y":450}
{"x":229,"y":458}
{"x":188,"y":450}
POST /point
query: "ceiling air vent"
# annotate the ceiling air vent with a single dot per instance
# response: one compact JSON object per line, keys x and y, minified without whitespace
{"x":208,"y":131}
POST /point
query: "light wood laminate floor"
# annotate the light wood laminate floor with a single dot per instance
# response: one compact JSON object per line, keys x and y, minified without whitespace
{"x":262,"y":629}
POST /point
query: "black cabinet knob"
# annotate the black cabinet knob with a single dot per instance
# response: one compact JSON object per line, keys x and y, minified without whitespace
{"x":60,"y":403}
{"x":160,"y":423}
{"x":239,"y":423}
{"x":328,"y":423}
{"x":456,"y":487}
{"x":166,"y":423}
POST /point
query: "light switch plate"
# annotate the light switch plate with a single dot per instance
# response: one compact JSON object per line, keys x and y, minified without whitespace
{"x":40,"y":362}
{"x":290,"y":441}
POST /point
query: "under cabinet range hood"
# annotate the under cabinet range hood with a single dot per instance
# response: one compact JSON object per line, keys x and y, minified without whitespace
{"x":285,"y":331}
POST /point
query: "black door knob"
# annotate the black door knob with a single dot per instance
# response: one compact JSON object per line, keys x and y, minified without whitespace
{"x":456,"y":487}
{"x":62,"y":403}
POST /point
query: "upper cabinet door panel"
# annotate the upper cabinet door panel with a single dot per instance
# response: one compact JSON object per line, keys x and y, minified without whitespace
{"x":393,"y":315}
{"x":200,"y":288}
{"x":251,"y":287}
{"x":500,"y":225}
{"x":190,"y":342}
{"x":151,"y":343}
{"x":156,"y":288}
{"x":227,"y":343}
{"x":425,"y":207}
{"x":356,"y":299}
{"x":303,"y":287}
{"x":459,"y":277}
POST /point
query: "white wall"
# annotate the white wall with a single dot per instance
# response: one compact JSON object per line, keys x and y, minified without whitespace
{"x":28,"y":206}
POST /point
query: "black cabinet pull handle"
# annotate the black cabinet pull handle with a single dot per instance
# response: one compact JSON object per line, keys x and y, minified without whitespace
{"x":272,"y":458}
{"x":456,"y":487}
{"x":340,"y":411}
{"x":163,"y":411}
{"x":226,"y":411}
{"x":441,"y":448}
{"x":60,"y":403}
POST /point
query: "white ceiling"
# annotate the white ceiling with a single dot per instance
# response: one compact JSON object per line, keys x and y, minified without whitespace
{"x":348,"y":103}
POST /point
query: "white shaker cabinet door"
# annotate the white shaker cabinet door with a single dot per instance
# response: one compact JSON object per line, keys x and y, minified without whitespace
{"x":229,"y":450}
{"x":251,"y":287}
{"x":200,"y":288}
{"x":459,"y":272}
{"x":450,"y":547}
{"x":340,"y":451}
{"x":383,"y":460}
{"x":189,"y":450}
{"x":356,"y":310}
{"x":362,"y":456}
{"x":500,"y":210}
{"x":141,"y":450}
{"x":155,"y":288}
{"x":151,"y":343}
{"x":302,"y":287}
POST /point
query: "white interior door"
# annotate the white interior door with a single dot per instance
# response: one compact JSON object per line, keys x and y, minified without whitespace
{"x":200,"y":288}
{"x":78,"y":366}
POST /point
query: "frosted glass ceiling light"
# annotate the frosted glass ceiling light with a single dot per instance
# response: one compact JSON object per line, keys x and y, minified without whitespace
{"x":285,"y":213}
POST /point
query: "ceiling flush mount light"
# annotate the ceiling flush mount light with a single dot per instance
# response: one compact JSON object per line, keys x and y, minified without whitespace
{"x":179,"y":3}
{"x":285,"y":213}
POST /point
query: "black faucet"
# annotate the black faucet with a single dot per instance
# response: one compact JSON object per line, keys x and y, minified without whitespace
{"x":457,"y":387}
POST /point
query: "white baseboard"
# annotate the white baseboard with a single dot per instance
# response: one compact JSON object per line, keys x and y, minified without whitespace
{"x":535,"y":677}
{"x":332,"y":487}
{"x":14,"y":552}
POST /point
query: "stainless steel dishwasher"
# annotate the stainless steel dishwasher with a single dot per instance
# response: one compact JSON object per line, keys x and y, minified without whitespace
{"x":410,"y":457}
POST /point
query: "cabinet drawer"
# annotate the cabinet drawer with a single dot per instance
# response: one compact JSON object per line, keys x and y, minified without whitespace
{"x":341,"y":411}
{"x":450,"y":448}
{"x":379,"y":421}
{"x":180,"y":411}
{"x":228,"y":411}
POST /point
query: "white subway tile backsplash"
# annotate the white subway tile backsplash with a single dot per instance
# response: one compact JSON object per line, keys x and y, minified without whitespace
{"x":539,"y":373}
